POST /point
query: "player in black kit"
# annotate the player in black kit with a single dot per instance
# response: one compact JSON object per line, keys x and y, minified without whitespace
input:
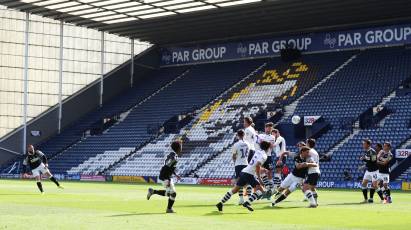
{"x":295,"y":179}
{"x":383,"y":160}
{"x":166,"y":173}
{"x":371,"y":173}
{"x":38,"y":164}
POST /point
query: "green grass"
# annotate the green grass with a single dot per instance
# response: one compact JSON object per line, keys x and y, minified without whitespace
{"x":124,"y":206}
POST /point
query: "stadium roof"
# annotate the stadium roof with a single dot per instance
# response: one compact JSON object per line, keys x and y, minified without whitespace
{"x":178,"y":21}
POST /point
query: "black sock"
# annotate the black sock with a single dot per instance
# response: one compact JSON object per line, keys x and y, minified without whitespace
{"x":364,"y":193}
{"x":372,"y":191}
{"x":170,"y":203}
{"x":280,"y":198}
{"x":388,"y":192}
{"x":54,"y":180}
{"x":379,"y":192}
{"x":160,"y":192}
{"x":40,"y":186}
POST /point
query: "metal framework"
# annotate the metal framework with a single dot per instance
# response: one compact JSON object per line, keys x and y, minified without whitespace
{"x":180,"y":21}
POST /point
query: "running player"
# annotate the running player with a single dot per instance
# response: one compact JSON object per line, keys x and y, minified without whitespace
{"x":279,"y":148}
{"x":240,"y":153}
{"x":39,"y":165}
{"x":296,"y":178}
{"x":383,"y":159}
{"x":313,"y":176}
{"x":248,"y":176}
{"x":268,"y":177}
{"x":371,"y":173}
{"x":166,"y":173}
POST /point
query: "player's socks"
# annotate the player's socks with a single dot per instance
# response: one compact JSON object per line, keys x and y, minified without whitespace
{"x":241,"y":195}
{"x":159,"y":192}
{"x":310,"y":197}
{"x":380,"y":194}
{"x":372,"y":191}
{"x":280,"y":198}
{"x":277,"y":180}
{"x":266,"y":181}
{"x":315,"y":195}
{"x":227,"y":196}
{"x":365,"y":192}
{"x":257,"y":195}
{"x":170,"y":203}
{"x":40,"y":186}
{"x":249,"y":190}
{"x":54,"y":180}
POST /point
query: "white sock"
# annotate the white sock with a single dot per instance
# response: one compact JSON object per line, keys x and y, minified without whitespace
{"x":310,"y":197}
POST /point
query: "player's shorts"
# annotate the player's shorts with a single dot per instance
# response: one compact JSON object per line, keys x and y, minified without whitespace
{"x":291,"y":182}
{"x":238,"y":169}
{"x":250,"y":155}
{"x":268,"y":164}
{"x":384,"y":177}
{"x":247,"y":179}
{"x":371,"y":176}
{"x":169,"y":186}
{"x":312,"y":179}
{"x":39,"y":170}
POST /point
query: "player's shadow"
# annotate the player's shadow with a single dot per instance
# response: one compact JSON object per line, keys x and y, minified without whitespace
{"x":6,"y":194}
{"x":203,"y":205}
{"x":342,"y":204}
{"x":137,"y":214}
{"x":279,"y":207}
{"x":217,"y":213}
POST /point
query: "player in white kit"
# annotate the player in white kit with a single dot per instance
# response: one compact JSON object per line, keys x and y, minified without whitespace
{"x":269,"y":164}
{"x":279,"y":149}
{"x":240,"y":155}
{"x":313,"y":176}
{"x":250,"y":175}
{"x":250,"y":137}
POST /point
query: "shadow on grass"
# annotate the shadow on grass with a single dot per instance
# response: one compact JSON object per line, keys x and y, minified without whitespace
{"x":217,"y":213}
{"x":347,"y":203}
{"x":203,"y":205}
{"x":138,"y":214}
{"x":19,"y":194}
{"x":279,"y":207}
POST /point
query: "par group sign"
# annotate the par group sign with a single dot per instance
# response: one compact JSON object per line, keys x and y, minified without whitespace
{"x":310,"y":42}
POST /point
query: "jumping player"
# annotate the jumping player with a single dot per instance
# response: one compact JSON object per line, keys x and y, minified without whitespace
{"x":383,"y":160}
{"x":250,"y":138}
{"x":240,"y":155}
{"x":296,"y":178}
{"x":248,"y":176}
{"x":371,"y":173}
{"x":279,"y":148}
{"x":39,"y":165}
{"x":268,"y":177}
{"x":166,"y":173}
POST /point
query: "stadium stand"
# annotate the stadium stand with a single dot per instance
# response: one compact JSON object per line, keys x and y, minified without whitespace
{"x":212,"y":131}
{"x":200,"y":85}
{"x":221,"y":94}
{"x":396,"y":130}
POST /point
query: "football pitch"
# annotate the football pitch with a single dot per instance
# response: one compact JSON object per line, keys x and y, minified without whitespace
{"x":124,"y":206}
